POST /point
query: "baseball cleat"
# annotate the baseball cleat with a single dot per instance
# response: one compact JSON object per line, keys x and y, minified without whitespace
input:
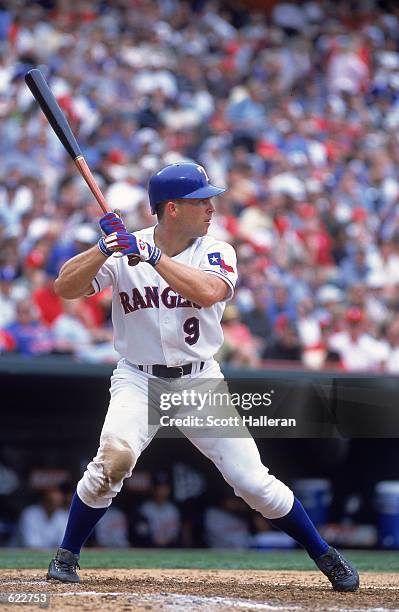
{"x":342,"y":575}
{"x":63,"y":566}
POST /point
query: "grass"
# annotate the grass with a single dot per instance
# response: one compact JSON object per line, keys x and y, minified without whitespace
{"x":376,"y":561}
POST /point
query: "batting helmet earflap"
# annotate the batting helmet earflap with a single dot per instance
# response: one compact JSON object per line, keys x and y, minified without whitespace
{"x":182,"y":180}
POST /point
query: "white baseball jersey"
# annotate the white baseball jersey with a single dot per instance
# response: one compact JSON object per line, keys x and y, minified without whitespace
{"x":155,"y":325}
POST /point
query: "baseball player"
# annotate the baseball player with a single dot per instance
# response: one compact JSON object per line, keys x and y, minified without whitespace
{"x":166,"y":315}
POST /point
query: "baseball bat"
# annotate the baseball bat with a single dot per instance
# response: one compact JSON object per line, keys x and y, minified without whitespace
{"x":56,"y":118}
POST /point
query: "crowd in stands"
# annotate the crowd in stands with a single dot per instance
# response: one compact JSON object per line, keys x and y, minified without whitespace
{"x":295,"y":109}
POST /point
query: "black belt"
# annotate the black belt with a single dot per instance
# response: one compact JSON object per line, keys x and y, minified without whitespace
{"x":162,"y":371}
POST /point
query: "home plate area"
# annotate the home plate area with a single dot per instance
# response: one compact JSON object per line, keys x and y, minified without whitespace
{"x":208,"y":590}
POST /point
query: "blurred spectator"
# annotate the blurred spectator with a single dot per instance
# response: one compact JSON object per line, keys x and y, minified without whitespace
{"x":354,"y":268}
{"x":7,"y":297}
{"x":42,"y":525}
{"x":392,"y":360}
{"x":226,"y":524}
{"x":331,"y":303}
{"x":75,"y":332}
{"x":112,"y":530}
{"x":126,"y":194}
{"x":7,"y":342}
{"x":358,"y":350}
{"x":348,"y":66}
{"x":321,"y":355}
{"x":308,"y":325}
{"x":83,"y":237}
{"x":31,"y":337}
{"x":285,"y":341}
{"x":48,"y":303}
{"x":69,"y":333}
{"x":240,"y":347}
{"x":255,"y":318}
{"x":280,"y":304}
{"x":158,"y":522}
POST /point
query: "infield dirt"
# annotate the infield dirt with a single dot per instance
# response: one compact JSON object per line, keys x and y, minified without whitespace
{"x":207,"y":590}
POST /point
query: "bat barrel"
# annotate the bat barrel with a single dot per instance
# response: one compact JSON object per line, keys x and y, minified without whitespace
{"x":47,"y":102}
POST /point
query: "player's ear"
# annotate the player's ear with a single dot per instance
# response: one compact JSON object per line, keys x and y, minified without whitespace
{"x":171,"y":208}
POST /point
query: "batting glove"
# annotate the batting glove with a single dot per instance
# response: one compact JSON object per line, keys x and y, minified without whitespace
{"x":127,"y":244}
{"x":111,"y":223}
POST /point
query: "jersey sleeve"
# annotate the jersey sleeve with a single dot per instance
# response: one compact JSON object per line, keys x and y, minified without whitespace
{"x":106,"y":276}
{"x":220,"y":259}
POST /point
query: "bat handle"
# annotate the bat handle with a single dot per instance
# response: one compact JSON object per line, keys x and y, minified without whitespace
{"x":91,"y":182}
{"x":133,"y":260}
{"x":96,"y":191}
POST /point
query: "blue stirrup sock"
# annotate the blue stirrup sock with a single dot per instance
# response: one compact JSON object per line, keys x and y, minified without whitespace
{"x":81,"y":522}
{"x":298,"y":525}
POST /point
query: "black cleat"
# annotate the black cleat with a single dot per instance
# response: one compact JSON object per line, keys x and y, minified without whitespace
{"x":63,"y":566}
{"x":338,"y":570}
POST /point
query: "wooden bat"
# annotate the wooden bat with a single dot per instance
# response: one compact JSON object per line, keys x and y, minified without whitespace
{"x":56,"y":118}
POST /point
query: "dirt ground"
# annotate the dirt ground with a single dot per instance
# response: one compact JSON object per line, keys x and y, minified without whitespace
{"x":205,"y":590}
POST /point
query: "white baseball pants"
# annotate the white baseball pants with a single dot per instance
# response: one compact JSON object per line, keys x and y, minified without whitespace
{"x":125,"y":435}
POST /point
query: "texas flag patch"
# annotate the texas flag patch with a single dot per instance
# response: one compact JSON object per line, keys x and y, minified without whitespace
{"x":215,"y":259}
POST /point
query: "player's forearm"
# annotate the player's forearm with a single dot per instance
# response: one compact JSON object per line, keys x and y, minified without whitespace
{"x":191,"y":283}
{"x":76,"y":275}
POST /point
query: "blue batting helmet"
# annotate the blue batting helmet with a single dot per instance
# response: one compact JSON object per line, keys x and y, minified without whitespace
{"x":183,"y":180}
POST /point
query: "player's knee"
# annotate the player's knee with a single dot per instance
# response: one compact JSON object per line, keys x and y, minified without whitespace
{"x":117,"y":457}
{"x":254,"y":485}
{"x":266,"y":494}
{"x":104,"y":476}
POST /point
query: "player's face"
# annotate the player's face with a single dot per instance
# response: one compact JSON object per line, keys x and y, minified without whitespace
{"x":195,"y":216}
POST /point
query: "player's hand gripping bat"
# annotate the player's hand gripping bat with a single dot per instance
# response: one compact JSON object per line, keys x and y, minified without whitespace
{"x":56,"y":118}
